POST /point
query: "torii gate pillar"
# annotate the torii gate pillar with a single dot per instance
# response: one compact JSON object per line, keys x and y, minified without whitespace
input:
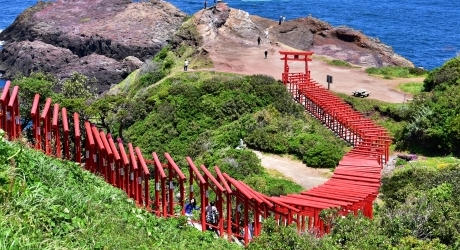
{"x":303,"y":56}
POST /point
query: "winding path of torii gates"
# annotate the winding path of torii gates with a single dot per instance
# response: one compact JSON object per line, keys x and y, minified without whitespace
{"x":353,"y":186}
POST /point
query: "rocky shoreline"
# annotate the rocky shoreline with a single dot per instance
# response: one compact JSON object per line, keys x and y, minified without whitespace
{"x":108,"y":39}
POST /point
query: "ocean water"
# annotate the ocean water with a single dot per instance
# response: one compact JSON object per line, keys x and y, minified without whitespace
{"x":423,"y":31}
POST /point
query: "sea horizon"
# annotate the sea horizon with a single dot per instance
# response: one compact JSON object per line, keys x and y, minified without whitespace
{"x":427,"y":38}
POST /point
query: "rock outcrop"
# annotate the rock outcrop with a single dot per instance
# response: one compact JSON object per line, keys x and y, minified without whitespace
{"x":108,"y":39}
{"x":105,"y":39}
{"x":238,"y":27}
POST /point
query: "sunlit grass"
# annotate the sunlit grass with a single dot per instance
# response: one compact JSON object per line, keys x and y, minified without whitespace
{"x":411,"y":87}
{"x":390,"y":72}
{"x":434,"y":163}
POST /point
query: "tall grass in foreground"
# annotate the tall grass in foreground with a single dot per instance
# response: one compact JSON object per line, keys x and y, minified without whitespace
{"x":47,"y":203}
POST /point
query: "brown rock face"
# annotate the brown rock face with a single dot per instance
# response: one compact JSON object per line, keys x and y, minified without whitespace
{"x":96,"y":37}
{"x":239,"y":29}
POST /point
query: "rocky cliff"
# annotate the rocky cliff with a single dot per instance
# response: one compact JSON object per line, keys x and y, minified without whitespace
{"x":105,"y":39}
{"x":239,"y":27}
{"x":108,"y":39}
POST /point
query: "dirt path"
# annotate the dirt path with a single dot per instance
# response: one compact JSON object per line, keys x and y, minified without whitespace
{"x":246,"y":57}
{"x":295,"y":170}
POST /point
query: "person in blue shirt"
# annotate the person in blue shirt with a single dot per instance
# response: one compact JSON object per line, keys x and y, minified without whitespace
{"x":190,"y":207}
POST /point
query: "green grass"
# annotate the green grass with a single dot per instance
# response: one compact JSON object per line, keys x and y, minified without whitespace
{"x":339,"y":63}
{"x":47,"y":203}
{"x":411,"y":87}
{"x":432,"y":163}
{"x":390,"y":72}
{"x":334,"y":62}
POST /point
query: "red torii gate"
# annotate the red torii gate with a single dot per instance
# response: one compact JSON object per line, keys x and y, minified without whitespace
{"x":4,"y":99}
{"x":302,"y":56}
{"x":353,"y":186}
{"x":160,"y":186}
{"x":10,"y":121}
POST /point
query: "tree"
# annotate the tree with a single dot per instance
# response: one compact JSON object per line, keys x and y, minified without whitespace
{"x":79,"y":86}
{"x":37,"y":83}
{"x":110,"y":112}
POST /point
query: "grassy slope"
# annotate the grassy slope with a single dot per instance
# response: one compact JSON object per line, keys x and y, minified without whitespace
{"x":52,"y":204}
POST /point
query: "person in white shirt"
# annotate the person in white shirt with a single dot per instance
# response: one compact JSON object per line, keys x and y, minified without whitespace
{"x":186,"y":65}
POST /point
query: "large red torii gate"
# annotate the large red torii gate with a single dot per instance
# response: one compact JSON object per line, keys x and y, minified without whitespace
{"x":299,"y":56}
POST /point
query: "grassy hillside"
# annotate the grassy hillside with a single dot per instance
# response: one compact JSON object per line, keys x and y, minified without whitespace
{"x":205,"y":114}
{"x":52,"y":204}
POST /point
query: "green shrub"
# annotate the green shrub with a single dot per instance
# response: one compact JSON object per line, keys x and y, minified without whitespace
{"x":323,"y":154}
{"x":448,"y":74}
{"x":272,"y":186}
{"x":162,"y":54}
{"x":238,"y":164}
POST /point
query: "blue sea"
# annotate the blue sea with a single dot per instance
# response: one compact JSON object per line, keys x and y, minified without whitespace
{"x":423,"y":31}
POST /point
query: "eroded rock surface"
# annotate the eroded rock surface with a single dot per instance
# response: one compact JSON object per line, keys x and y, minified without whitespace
{"x":238,"y":28}
{"x":108,"y":39}
{"x":104,"y":39}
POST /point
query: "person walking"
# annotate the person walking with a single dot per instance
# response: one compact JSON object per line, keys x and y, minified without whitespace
{"x":212,"y":217}
{"x":266,"y":33}
{"x":186,"y":65}
{"x":266,"y":54}
{"x":258,"y":40}
{"x":205,"y":3}
{"x":280,"y":20}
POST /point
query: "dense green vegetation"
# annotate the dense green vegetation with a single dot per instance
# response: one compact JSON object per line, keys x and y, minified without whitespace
{"x":429,"y":124}
{"x":446,"y":75}
{"x":419,"y":211}
{"x":434,"y":117}
{"x":204,"y":115}
{"x":47,"y":203}
{"x":216,"y":110}
{"x":53,"y":204}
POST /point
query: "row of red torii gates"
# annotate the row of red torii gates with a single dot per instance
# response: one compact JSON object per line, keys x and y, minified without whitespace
{"x":352,"y":188}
